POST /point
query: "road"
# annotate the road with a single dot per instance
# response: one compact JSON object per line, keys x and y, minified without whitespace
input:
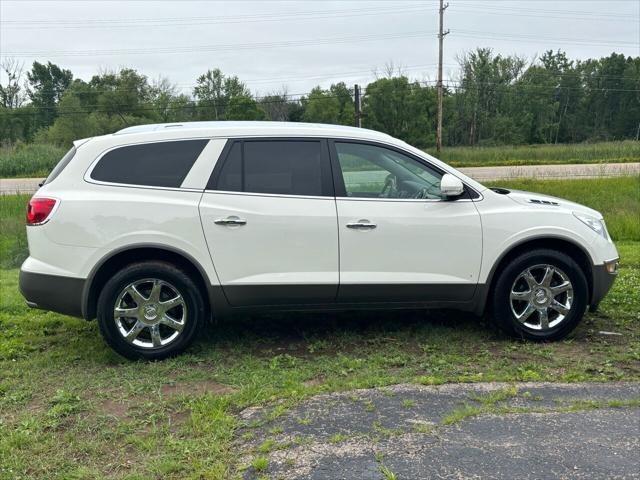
{"x":525,"y":431}
{"x":9,"y":186}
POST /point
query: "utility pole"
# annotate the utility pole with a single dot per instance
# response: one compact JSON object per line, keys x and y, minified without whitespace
{"x":441,"y":35}
{"x":358,"y":113}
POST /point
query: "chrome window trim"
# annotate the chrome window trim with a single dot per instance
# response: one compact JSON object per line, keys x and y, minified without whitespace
{"x":355,"y":199}
{"x":270,"y":195}
{"x":143,"y":187}
{"x":87,"y":174}
{"x":415,"y":200}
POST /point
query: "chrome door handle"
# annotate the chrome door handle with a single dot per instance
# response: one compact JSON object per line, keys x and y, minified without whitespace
{"x":362,"y":225}
{"x":230,"y":221}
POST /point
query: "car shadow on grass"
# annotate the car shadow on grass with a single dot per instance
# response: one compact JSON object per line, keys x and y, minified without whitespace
{"x":344,"y":330}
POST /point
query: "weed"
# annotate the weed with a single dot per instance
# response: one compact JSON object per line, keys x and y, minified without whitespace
{"x":260,"y":464}
{"x":387,"y":474}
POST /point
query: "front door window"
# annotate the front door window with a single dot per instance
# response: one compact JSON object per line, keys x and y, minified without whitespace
{"x":371,"y":171}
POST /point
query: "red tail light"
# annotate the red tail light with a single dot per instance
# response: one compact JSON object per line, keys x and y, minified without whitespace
{"x":39,"y":209}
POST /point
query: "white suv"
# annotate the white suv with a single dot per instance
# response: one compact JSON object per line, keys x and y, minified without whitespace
{"x":155,"y":229}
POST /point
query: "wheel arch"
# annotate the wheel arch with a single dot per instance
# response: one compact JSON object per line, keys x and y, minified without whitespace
{"x":560,"y":244}
{"x":115,"y":260}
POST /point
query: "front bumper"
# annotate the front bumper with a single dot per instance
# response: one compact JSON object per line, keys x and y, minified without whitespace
{"x":603,"y":277}
{"x":52,"y":292}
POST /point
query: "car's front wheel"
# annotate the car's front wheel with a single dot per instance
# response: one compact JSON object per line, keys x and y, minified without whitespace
{"x":150,"y":310}
{"x":540,"y":295}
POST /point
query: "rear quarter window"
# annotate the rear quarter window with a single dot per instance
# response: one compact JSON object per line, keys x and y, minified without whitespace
{"x":159,"y":164}
{"x":64,"y":161}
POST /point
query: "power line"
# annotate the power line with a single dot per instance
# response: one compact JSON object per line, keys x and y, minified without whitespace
{"x":220,"y":47}
{"x":535,"y":37}
{"x":191,"y":21}
{"x":571,"y":17}
{"x":518,"y":9}
{"x":308,"y":42}
{"x":242,"y":17}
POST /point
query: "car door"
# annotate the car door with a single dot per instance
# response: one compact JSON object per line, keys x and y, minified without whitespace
{"x":269,"y":218}
{"x":400,"y":240}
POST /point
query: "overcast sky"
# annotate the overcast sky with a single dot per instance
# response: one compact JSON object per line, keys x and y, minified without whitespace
{"x":301,"y":44}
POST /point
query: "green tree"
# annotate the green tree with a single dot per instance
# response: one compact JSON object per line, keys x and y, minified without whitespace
{"x":168,"y":105}
{"x":72,"y":123}
{"x":214,"y":91}
{"x":278,"y":107}
{"x":46,"y":85}
{"x":335,"y":105}
{"x":244,"y":108}
{"x":321,"y":107}
{"x":402,"y":109}
{"x":485,"y":91}
{"x":121,"y":93}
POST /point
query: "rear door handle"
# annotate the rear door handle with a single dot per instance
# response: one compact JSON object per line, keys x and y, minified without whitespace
{"x":233,"y":220}
{"x":362,"y":225}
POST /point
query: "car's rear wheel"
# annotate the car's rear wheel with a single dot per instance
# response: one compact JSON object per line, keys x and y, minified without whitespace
{"x":540,"y":295}
{"x":150,"y":310}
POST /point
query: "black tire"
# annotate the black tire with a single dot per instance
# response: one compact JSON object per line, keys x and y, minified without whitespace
{"x":193,"y":314}
{"x":500,"y":296}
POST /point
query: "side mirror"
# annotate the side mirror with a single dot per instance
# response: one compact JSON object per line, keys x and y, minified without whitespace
{"x":451,"y":186}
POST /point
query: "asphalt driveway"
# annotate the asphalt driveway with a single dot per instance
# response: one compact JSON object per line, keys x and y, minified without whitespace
{"x":527,"y":430}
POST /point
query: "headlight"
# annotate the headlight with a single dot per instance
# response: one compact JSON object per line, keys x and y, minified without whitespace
{"x":595,"y":224}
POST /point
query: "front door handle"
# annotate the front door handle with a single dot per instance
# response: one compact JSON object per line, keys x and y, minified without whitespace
{"x":362,"y":225}
{"x":233,"y":220}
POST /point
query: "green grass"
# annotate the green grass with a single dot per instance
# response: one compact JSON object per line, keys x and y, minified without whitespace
{"x":615,"y":152}
{"x":71,"y":408}
{"x":13,"y":235}
{"x":32,"y":160}
{"x":618,"y":199}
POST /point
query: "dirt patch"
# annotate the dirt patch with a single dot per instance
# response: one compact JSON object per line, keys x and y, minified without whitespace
{"x":196,"y":388}
{"x":313,"y":382}
{"x":113,"y":408}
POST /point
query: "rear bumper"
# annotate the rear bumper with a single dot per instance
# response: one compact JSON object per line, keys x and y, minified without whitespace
{"x":603,"y":277}
{"x":52,"y":292}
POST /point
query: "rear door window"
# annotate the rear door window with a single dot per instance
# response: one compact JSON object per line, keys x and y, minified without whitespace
{"x":284,"y":167}
{"x":160,"y":164}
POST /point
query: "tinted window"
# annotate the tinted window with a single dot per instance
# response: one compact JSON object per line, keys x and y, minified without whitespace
{"x":376,"y":172}
{"x":64,"y":161}
{"x":277,"y":167}
{"x":162,"y":164}
{"x":231,"y":173}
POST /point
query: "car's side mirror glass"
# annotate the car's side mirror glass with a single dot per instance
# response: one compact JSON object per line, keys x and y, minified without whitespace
{"x":451,"y":186}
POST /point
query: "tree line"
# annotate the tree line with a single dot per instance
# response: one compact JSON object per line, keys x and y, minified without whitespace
{"x":494,"y":100}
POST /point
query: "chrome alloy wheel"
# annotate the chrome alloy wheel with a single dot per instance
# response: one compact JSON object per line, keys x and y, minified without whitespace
{"x":541,"y":297}
{"x":150,"y":313}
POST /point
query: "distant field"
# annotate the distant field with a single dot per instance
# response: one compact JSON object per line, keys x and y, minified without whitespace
{"x":603,"y":152}
{"x":618,"y":199}
{"x":34,"y":160}
{"x":37,"y":160}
